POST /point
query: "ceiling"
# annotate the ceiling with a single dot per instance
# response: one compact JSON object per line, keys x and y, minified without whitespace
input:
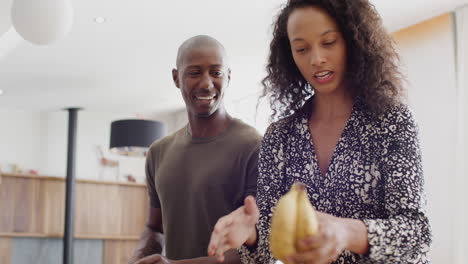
{"x":124,"y":65}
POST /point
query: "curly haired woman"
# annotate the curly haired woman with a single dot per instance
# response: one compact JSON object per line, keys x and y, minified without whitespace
{"x":345,"y":132}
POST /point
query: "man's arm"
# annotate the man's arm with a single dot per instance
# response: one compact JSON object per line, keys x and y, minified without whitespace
{"x":230,"y":257}
{"x":151,"y":240}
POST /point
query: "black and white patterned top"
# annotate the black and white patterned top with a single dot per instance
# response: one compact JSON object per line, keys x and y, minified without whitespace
{"x":375,"y":175}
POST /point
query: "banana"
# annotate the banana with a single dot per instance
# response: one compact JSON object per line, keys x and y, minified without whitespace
{"x":283,"y":223}
{"x":293,"y":219}
{"x":306,"y":219}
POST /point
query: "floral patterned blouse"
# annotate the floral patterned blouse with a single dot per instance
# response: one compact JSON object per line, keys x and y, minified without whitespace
{"x":375,"y":175}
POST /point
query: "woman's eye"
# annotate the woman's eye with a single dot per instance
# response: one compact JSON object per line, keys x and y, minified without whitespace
{"x":300,"y":50}
{"x":328,"y":43}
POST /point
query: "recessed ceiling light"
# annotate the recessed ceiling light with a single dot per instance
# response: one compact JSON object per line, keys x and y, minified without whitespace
{"x":99,"y":20}
{"x":1,"y":91}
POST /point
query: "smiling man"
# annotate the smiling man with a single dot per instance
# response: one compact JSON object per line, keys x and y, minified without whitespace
{"x":201,"y":172}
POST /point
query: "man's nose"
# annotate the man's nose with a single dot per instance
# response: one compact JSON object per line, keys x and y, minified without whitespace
{"x":206,"y":81}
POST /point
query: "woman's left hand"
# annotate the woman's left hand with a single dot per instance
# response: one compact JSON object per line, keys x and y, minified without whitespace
{"x":327,"y":245}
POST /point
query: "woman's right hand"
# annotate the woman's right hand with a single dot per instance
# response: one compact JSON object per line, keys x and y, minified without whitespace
{"x":235,"y":229}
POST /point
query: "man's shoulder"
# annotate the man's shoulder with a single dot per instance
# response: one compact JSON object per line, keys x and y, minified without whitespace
{"x":244,"y":132}
{"x":163,"y":143}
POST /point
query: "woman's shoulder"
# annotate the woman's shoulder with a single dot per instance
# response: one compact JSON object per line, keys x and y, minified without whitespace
{"x":292,"y":122}
{"x":398,"y":114}
{"x":283,"y":126}
{"x":398,"y":120}
{"x":393,"y":120}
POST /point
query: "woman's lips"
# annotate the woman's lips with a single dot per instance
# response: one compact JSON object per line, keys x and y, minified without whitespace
{"x":324,"y":77}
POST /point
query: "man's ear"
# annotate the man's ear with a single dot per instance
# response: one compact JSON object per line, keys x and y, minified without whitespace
{"x":175,"y":77}
{"x":229,"y":75}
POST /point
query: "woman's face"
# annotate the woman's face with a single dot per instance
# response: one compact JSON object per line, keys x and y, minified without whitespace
{"x":318,"y":48}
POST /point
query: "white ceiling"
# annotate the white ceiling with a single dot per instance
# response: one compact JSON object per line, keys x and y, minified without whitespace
{"x":124,"y":64}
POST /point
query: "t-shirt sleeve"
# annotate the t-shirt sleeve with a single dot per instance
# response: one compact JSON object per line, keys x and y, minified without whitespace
{"x":150,"y":169}
{"x":252,"y":171}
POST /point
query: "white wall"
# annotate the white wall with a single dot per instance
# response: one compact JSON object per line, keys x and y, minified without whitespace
{"x":174,"y":120}
{"x":461,"y":212}
{"x":246,"y":109}
{"x":93,"y":130}
{"x":428,"y":55}
{"x":19,"y":137}
{"x":39,"y":141}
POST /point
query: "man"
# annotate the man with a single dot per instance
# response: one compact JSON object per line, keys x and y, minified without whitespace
{"x":201,"y":172}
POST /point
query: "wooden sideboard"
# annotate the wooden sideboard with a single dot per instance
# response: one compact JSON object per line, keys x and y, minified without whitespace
{"x":33,"y":206}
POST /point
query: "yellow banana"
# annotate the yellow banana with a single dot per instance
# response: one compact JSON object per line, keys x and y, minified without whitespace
{"x":306,"y":222}
{"x":283,"y":223}
{"x":294,"y":218}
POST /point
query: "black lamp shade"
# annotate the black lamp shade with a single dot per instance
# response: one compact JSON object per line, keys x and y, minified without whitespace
{"x":134,"y":135}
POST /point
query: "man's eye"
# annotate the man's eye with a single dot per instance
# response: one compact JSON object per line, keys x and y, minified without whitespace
{"x":218,"y":73}
{"x":194,"y":73}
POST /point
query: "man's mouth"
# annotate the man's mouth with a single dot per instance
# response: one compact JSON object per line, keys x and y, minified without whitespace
{"x":205,"y":97}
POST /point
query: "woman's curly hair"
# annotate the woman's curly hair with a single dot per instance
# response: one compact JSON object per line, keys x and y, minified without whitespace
{"x":372,"y":62}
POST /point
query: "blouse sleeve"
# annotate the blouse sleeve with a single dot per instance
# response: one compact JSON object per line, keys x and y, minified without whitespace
{"x":404,"y":235}
{"x":269,"y":190}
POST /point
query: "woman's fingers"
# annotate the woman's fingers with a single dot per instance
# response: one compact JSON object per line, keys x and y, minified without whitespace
{"x":319,"y":249}
{"x":310,"y":242}
{"x":232,"y":230}
{"x":223,"y":247}
{"x":218,"y":234}
{"x":250,"y":206}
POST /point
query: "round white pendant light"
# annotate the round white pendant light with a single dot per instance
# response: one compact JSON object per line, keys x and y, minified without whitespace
{"x":42,"y":21}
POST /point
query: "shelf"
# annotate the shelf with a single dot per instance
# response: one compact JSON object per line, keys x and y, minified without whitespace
{"x":34,"y":206}
{"x":78,"y":236}
{"x":54,"y":178}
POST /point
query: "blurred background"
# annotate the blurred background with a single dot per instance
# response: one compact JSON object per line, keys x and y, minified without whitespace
{"x":115,"y":63}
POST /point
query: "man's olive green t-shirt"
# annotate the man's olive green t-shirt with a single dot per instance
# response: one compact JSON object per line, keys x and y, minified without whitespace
{"x":195,"y":181}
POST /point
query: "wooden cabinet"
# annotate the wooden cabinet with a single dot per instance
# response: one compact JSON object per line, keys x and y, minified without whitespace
{"x":33,"y":206}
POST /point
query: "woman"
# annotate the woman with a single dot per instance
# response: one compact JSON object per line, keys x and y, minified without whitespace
{"x":345,"y":133}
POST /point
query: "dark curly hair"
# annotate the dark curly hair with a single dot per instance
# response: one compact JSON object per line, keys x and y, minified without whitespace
{"x":372,"y":62}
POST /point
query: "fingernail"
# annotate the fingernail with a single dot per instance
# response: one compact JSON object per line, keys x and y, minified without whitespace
{"x":310,"y":241}
{"x":303,"y":242}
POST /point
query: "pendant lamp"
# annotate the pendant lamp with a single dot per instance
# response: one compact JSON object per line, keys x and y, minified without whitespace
{"x":132,"y":137}
{"x":42,"y":21}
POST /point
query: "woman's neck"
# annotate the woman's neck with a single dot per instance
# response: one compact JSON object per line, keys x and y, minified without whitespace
{"x":331,"y":106}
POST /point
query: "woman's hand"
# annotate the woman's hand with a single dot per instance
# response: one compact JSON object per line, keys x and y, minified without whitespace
{"x":235,"y":229}
{"x":327,"y":245}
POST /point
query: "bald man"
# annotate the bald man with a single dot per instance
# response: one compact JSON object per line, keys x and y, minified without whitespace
{"x":202,"y":171}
